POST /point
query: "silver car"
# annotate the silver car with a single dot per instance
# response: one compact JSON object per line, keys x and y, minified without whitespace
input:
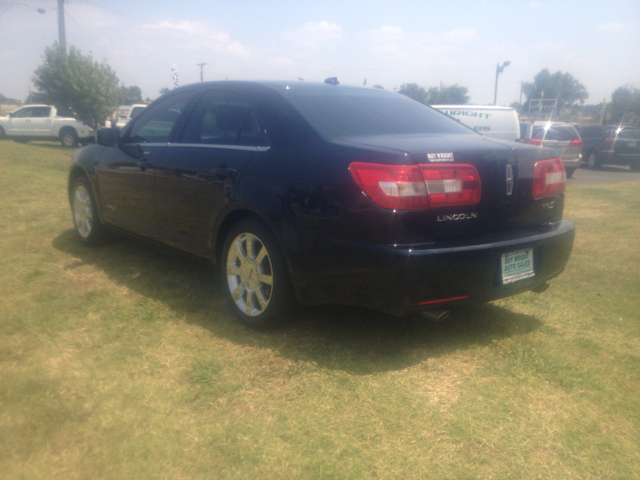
{"x":560,"y":136}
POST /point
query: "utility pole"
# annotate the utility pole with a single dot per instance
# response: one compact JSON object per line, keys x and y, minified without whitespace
{"x":499,"y":70}
{"x":201,"y":65}
{"x":62,"y":37}
{"x":521,"y":93}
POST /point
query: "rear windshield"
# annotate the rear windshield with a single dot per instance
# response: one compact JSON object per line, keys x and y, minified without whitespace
{"x":555,"y":132}
{"x":629,"y":133}
{"x":351,"y":112}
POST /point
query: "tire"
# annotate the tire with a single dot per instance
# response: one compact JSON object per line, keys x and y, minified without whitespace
{"x":592,"y":161}
{"x":254,"y":276}
{"x":570,"y":172}
{"x":635,"y":167}
{"x":3,"y":134}
{"x":85,"y":213}
{"x":68,"y":137}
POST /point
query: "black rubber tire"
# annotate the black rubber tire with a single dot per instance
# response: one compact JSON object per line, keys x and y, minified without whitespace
{"x":84,"y":211}
{"x":592,"y":161}
{"x":635,"y":167}
{"x":277,"y":300}
{"x":570,"y":172}
{"x":68,"y":137}
{"x":3,"y":134}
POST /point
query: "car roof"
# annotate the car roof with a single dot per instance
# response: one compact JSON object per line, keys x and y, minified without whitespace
{"x":281,"y":86}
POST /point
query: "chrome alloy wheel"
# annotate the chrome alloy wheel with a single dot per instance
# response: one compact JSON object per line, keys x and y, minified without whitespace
{"x":249,"y":274}
{"x":82,"y":211}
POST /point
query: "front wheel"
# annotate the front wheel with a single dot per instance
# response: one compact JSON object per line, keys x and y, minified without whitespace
{"x":255,"y":277}
{"x":570,"y":172}
{"x":85,"y":213}
{"x":592,"y":161}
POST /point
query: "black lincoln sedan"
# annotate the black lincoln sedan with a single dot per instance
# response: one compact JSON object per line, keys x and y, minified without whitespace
{"x":327,"y":194}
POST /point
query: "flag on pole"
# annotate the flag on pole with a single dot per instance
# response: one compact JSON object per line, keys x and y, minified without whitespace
{"x":174,"y":70}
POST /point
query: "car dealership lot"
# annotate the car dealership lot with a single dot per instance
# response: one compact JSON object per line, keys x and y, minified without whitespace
{"x":605,"y":174}
{"x":124,"y":362}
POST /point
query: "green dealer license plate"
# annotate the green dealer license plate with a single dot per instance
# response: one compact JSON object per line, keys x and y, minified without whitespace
{"x":517,"y":266}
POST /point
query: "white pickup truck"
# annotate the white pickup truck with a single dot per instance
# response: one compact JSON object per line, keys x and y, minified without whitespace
{"x":44,"y":122}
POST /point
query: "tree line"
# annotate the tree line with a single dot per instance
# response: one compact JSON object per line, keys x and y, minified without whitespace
{"x":67,"y":78}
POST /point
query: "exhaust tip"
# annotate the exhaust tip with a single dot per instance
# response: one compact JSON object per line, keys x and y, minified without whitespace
{"x":436,"y":315}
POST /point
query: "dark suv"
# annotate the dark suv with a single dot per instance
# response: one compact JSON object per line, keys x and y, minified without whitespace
{"x":611,"y":145}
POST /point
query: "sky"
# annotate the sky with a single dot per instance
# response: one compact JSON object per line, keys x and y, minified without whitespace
{"x":385,"y":43}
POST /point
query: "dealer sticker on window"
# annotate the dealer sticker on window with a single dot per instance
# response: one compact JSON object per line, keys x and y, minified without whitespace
{"x":517,"y":266}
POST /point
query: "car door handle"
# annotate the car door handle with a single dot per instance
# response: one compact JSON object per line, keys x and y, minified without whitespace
{"x":224,"y":171}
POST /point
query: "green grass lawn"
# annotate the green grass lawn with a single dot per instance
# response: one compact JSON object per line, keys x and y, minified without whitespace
{"x":124,"y":362}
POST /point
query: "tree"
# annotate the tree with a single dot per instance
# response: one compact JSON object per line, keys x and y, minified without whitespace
{"x":164,"y":90}
{"x":414,"y":91}
{"x":624,"y":106}
{"x":561,"y":86}
{"x":130,"y":95}
{"x":379,"y":87}
{"x":70,"y":79}
{"x":452,"y":95}
{"x":8,"y":101}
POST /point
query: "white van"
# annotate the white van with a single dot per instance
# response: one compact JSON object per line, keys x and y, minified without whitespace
{"x":494,"y":122}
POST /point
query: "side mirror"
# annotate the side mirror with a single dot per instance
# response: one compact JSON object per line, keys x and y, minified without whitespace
{"x":108,"y":137}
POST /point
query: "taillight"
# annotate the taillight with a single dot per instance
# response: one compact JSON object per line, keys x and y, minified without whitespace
{"x":575,"y":143}
{"x":608,"y":142}
{"x":549,"y":178}
{"x":417,"y":187}
{"x":534,"y":141}
{"x":451,"y":184}
{"x":396,"y":187}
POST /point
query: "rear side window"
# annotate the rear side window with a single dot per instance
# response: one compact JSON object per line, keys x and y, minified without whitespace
{"x":555,"y":132}
{"x":41,"y":112}
{"x":353,"y":112}
{"x":223,"y":119}
{"x":629,"y":133}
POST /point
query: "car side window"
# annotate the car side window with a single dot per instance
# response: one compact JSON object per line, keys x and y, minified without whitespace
{"x":223,"y":118}
{"x":22,"y":113}
{"x":159,"y":123}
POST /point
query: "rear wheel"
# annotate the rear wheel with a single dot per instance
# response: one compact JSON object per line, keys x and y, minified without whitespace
{"x":3,"y":135}
{"x":592,"y":161}
{"x":570,"y":172}
{"x":255,"y":277}
{"x":635,"y":167}
{"x":68,"y":137}
{"x":85,"y":213}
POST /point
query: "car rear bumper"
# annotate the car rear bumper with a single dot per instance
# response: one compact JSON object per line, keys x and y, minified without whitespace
{"x":401,"y":279}
{"x":572,"y":163}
